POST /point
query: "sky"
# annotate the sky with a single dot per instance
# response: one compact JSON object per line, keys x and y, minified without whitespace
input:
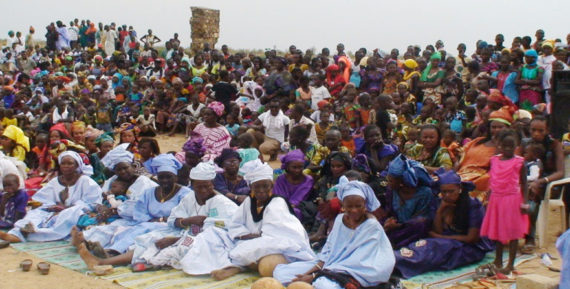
{"x":260,"y":24}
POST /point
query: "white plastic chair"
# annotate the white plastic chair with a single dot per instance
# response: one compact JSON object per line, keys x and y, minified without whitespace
{"x":546,"y":206}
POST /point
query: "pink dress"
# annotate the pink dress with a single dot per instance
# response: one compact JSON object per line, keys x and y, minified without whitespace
{"x":503,"y":220}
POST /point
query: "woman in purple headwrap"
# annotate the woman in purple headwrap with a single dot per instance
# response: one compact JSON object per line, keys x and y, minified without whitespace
{"x":454,"y":239}
{"x":215,"y":136}
{"x":293,"y":185}
{"x":230,"y":183}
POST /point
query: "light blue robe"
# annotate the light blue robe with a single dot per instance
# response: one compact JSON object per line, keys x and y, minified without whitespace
{"x":563,"y":245}
{"x":108,"y":235}
{"x":50,"y":226}
{"x":364,"y":253}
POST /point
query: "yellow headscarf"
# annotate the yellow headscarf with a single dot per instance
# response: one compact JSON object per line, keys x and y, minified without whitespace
{"x":17,"y":135}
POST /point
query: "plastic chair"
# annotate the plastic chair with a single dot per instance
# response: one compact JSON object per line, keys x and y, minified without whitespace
{"x":546,"y":205}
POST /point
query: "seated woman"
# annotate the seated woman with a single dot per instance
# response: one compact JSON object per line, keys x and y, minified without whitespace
{"x":148,"y":149}
{"x":263,"y":225}
{"x":410,"y":203}
{"x":454,"y":239}
{"x":152,"y":208}
{"x":63,"y":200}
{"x":429,"y":152}
{"x":104,"y":144}
{"x":294,"y":186}
{"x":15,"y":143}
{"x":230,"y":183}
{"x":379,"y":154}
{"x":215,"y":136}
{"x":357,"y":252}
{"x":167,"y":246}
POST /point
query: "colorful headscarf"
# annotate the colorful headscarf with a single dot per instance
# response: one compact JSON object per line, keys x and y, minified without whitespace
{"x":128,"y":127}
{"x":78,"y":125}
{"x":165,"y":163}
{"x":411,"y":172}
{"x":425,"y":73}
{"x":410,"y":63}
{"x":104,"y":137}
{"x":194,"y":145}
{"x":451,"y":177}
{"x":497,"y":96}
{"x":361,"y":164}
{"x":502,"y":115}
{"x":292,"y":156}
{"x":197,"y":79}
{"x":532,"y":53}
{"x":83,"y":166}
{"x":217,"y":107}
{"x":119,"y":154}
{"x":17,"y":135}
{"x":226,"y":154}
{"x":522,"y":114}
{"x":204,"y":171}
{"x":347,"y":188}
{"x":91,"y":132}
{"x":60,"y":127}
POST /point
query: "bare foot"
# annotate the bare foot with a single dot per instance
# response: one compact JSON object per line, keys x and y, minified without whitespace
{"x":89,"y":259}
{"x":76,"y":237}
{"x":225,"y":273}
{"x":507,"y":270}
{"x":28,"y":229}
{"x":9,"y":237}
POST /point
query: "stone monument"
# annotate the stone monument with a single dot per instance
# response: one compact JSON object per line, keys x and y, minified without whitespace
{"x":205,"y":25}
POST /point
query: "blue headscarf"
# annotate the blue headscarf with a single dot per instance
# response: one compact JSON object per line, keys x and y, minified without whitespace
{"x":357,"y":188}
{"x":119,"y":154}
{"x":119,"y":82}
{"x":411,"y":172}
{"x":165,"y":163}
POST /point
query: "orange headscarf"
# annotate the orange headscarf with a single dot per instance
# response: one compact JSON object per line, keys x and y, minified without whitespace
{"x":346,"y":72}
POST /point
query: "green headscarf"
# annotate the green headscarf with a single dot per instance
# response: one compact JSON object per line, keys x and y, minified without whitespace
{"x":425,"y":73}
{"x":108,"y":136}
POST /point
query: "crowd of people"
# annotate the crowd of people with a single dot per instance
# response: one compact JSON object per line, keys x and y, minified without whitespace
{"x":390,"y":166}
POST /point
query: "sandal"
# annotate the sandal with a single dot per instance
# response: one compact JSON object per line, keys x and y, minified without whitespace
{"x":142,"y":267}
{"x":4,"y":244}
{"x":26,"y":265}
{"x":44,"y":267}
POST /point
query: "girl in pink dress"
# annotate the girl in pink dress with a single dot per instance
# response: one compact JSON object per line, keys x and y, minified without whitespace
{"x":505,"y":220}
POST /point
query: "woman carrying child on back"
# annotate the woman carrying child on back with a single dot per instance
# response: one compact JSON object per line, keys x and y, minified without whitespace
{"x":505,"y":221}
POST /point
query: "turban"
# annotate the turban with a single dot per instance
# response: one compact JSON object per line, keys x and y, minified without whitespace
{"x":436,"y":55}
{"x":292,"y":156}
{"x":363,"y":61}
{"x":165,"y":163}
{"x":127,"y":127}
{"x":249,"y":166}
{"x":411,"y":172}
{"x":547,"y":43}
{"x":502,"y":115}
{"x":78,"y":125}
{"x":204,"y":171}
{"x":82,"y":167}
{"x":17,"y":135}
{"x":451,"y":177}
{"x":411,"y":64}
{"x":532,"y":53}
{"x":260,"y":173}
{"x":217,"y":107}
{"x":332,"y":67}
{"x":226,"y":154}
{"x":522,"y":114}
{"x":91,"y":132}
{"x":357,"y":188}
{"x":119,"y":154}
{"x":404,"y":84}
{"x":197,"y":79}
{"x":322,"y":103}
{"x":482,"y":44}
{"x":194,"y":145}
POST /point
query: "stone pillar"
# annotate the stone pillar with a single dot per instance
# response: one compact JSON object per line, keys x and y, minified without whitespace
{"x":205,"y":25}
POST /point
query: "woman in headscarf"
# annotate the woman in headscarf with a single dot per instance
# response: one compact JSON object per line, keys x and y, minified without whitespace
{"x":410,"y":203}
{"x":263,"y":225}
{"x":58,"y":132}
{"x":198,"y":210}
{"x":113,"y":236}
{"x":104,"y":144}
{"x":63,"y":200}
{"x":129,"y":134}
{"x":357,"y":253}
{"x":230,"y":183}
{"x":192,"y":151}
{"x":474,"y":163}
{"x":411,"y":76}
{"x":294,"y":185}
{"x":529,"y":80}
{"x":454,"y":239}
{"x":431,"y":79}
{"x":215,"y":136}
{"x":15,"y":143}
{"x":151,"y":213}
{"x":78,"y":132}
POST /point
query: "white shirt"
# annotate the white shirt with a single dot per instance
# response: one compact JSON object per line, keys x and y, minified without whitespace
{"x":274,"y":125}
{"x":318,"y":94}
{"x":316,"y":116}
{"x":73,"y":33}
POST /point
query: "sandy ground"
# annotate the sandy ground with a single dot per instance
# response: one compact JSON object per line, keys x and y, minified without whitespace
{"x":12,"y":277}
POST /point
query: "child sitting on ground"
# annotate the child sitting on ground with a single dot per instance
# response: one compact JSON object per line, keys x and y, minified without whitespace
{"x":449,"y":141}
{"x":412,"y":138}
{"x":13,"y":202}
{"x":323,"y":126}
{"x":112,"y":199}
{"x":231,"y":124}
{"x":347,"y":140}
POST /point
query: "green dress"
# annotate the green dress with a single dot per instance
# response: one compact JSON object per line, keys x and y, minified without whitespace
{"x":441,"y":158}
